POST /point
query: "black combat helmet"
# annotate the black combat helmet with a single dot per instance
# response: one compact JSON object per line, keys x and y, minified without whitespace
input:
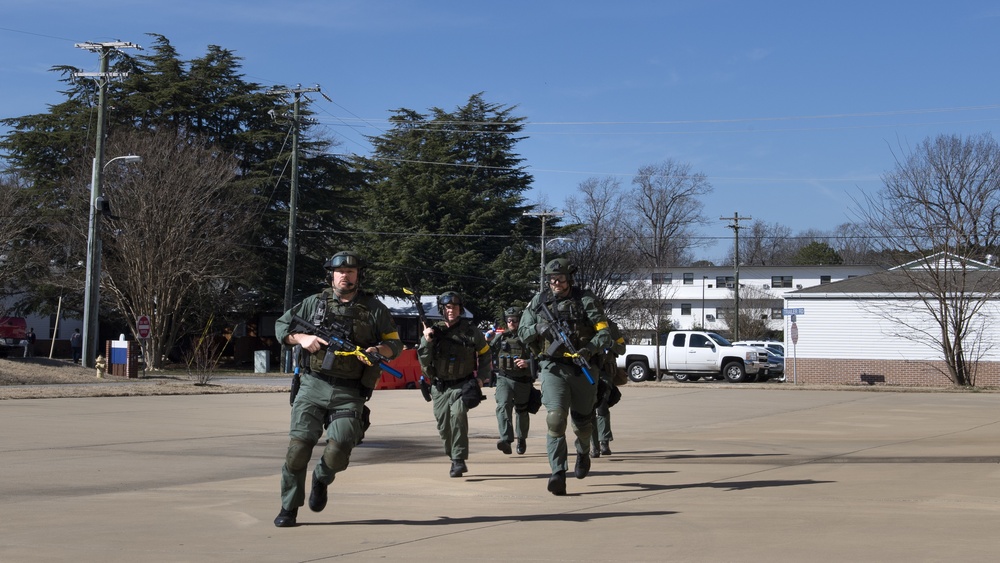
{"x":513,"y":312}
{"x":345,"y":259}
{"x":449,"y":298}
{"x":561,"y":266}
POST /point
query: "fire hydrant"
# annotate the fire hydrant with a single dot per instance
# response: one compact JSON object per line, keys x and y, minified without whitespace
{"x":100,"y":364}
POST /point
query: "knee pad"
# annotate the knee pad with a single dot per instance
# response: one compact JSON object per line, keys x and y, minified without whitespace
{"x":556,"y":421}
{"x":297,"y":458}
{"x":335,"y":456}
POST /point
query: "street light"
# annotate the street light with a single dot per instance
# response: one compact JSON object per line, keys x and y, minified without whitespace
{"x":543,"y":215}
{"x":92,"y":291}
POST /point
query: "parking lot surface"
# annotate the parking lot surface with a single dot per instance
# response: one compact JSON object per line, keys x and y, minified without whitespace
{"x":697,"y":473}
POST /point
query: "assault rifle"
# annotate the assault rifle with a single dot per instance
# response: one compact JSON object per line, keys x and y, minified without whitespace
{"x":421,"y":314}
{"x":337,"y":334}
{"x":559,"y":330}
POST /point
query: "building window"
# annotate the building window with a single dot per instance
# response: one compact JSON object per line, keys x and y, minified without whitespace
{"x":824,"y":279}
{"x":781,"y":281}
{"x":723,"y":313}
{"x":686,"y":309}
{"x":662,"y":278}
{"x":725,"y":281}
{"x":776,"y":313}
{"x":688,"y":278}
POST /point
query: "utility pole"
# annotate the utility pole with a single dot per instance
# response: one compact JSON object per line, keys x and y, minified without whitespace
{"x":92,"y":292}
{"x":735,"y":226}
{"x":543,"y":215}
{"x":293,"y":204}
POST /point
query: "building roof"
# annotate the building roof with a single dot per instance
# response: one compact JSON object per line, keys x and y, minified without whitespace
{"x":900,"y":281}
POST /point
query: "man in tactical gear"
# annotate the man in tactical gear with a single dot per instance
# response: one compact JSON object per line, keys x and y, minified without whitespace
{"x":566,"y":392}
{"x":514,"y":383}
{"x":455,"y":359}
{"x":335,"y":396}
{"x":608,"y":394}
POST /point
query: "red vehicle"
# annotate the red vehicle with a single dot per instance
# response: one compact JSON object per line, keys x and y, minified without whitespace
{"x":12,"y":331}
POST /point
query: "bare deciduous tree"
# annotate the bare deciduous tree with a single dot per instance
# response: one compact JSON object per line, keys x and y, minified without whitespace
{"x":941,"y":204}
{"x":175,"y":247}
{"x":764,"y":244}
{"x":853,"y":243}
{"x":666,"y":207}
{"x":756,"y":304}
{"x":603,"y":256}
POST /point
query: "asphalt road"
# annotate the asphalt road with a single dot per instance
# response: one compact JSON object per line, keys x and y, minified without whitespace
{"x":698,"y":473}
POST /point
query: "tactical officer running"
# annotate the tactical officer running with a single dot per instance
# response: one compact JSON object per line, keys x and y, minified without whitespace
{"x":331,"y":395}
{"x":566,"y":391}
{"x":608,"y":394}
{"x":454,"y":357}
{"x":514,"y":384}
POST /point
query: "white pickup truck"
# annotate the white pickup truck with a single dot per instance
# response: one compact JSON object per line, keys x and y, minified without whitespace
{"x":689,"y":355}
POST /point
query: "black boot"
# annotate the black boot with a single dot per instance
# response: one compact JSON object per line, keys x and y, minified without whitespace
{"x":557,"y":483}
{"x":457,"y":468}
{"x":521,"y":446}
{"x":286,"y":518}
{"x":605,"y":448}
{"x":582,"y":465}
{"x":317,"y":498}
{"x":503,"y":446}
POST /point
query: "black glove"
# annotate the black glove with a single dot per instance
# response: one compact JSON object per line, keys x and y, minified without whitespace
{"x":542,"y":327}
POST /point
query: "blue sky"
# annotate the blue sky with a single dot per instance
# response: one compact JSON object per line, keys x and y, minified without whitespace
{"x":791,"y":109}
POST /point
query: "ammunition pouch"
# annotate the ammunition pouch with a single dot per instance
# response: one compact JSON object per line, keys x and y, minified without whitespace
{"x":534,"y":400}
{"x":614,"y":396}
{"x":603,"y":393}
{"x":425,"y":388}
{"x":472,"y":395}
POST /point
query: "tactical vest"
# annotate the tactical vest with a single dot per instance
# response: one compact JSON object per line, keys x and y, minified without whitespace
{"x":509,"y":350}
{"x":571,"y":310}
{"x":354,"y":314}
{"x":455,"y":355}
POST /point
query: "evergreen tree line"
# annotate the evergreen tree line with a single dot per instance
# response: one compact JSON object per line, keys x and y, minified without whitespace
{"x":197,"y":231}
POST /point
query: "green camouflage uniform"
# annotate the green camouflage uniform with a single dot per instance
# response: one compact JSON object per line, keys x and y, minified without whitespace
{"x":339,"y":392}
{"x":449,"y":360}
{"x":513,"y":386}
{"x":566,"y":393}
{"x":608,"y":364}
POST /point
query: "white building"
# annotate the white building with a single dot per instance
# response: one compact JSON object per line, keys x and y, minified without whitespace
{"x":703,"y":296}
{"x":877,"y":329}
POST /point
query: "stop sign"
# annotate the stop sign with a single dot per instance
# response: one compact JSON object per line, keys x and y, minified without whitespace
{"x":142,"y":326}
{"x":795,"y":333}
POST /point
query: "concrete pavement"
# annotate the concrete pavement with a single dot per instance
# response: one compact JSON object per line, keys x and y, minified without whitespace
{"x":698,"y":473}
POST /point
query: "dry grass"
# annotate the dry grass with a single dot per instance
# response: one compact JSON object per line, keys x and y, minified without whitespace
{"x":42,"y":378}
